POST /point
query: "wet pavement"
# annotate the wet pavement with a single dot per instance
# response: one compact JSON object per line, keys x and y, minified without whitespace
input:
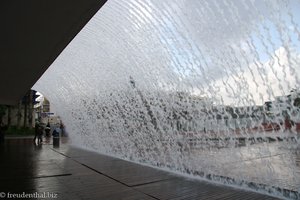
{"x":67,"y":172}
{"x":275,"y":165}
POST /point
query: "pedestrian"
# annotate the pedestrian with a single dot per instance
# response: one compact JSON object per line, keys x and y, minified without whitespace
{"x":40,"y":134}
{"x":56,"y":132}
{"x":36,"y":131}
{"x":47,"y":130}
{"x":62,"y":129}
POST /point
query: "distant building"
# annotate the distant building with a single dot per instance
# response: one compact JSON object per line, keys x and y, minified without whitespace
{"x":281,"y":106}
{"x":23,"y":114}
{"x":42,"y":109}
{"x":43,"y":113}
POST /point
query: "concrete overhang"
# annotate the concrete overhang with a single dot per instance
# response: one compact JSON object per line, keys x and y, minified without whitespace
{"x":33,"y":33}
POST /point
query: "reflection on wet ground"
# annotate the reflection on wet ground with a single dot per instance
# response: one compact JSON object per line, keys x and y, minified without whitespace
{"x":72,"y":173}
{"x":269,"y":166}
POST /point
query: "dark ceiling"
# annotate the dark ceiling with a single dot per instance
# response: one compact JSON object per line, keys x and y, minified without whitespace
{"x":33,"y":33}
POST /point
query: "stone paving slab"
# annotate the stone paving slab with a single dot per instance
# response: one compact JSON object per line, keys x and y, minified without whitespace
{"x":73,"y":173}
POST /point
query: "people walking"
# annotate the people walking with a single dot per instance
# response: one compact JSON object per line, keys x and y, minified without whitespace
{"x":36,"y":132}
{"x":47,"y":130}
{"x":40,"y":134}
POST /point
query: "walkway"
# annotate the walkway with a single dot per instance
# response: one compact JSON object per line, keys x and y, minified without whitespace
{"x":71,"y":173}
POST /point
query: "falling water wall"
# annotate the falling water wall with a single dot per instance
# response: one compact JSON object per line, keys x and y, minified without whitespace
{"x":197,"y":87}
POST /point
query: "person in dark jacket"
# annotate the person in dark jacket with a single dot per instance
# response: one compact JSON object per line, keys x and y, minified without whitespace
{"x":40,"y":135}
{"x":47,"y":130}
{"x":36,"y":132}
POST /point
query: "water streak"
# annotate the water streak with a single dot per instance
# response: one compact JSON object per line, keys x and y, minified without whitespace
{"x":198,"y":87}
